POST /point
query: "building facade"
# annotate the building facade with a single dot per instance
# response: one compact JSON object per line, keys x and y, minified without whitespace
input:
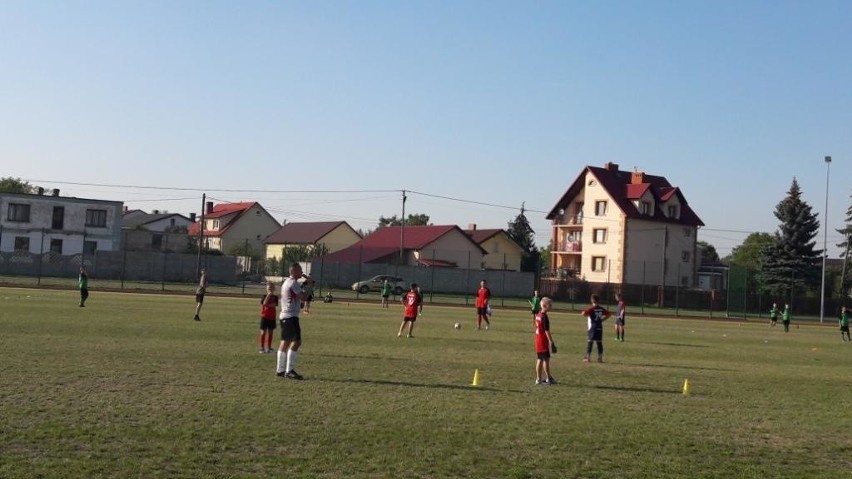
{"x":614,"y":226}
{"x":38,"y":223}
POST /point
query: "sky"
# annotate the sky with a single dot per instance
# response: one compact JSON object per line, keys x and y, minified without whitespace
{"x":327,"y":110}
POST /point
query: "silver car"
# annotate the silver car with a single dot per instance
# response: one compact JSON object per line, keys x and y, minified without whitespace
{"x":375,"y":284}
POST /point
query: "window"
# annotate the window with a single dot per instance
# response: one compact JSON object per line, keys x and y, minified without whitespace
{"x":672,"y":211}
{"x":684,"y":281}
{"x":495,"y":247}
{"x":645,"y":207}
{"x":56,"y":245}
{"x":687,"y":232}
{"x":598,"y":263}
{"x":156,"y":241}
{"x":685,"y":256}
{"x":89,"y":247}
{"x":19,"y":213}
{"x":22,"y":243}
{"x":600,"y":208}
{"x":599,"y":235}
{"x":96,"y":218}
{"x":58,"y":217}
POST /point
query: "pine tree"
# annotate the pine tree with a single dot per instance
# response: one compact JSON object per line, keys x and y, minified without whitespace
{"x":522,"y":233}
{"x":791,"y":261}
{"x":844,"y":246}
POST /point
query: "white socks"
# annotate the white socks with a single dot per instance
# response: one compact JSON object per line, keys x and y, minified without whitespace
{"x":291,"y":360}
{"x":282,"y":361}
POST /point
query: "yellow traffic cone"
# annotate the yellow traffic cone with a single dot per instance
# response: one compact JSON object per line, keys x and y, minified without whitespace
{"x":686,"y":387}
{"x":475,"y":378}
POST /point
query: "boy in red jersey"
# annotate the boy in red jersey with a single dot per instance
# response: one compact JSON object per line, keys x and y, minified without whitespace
{"x":595,"y":315}
{"x":412,"y":303}
{"x":267,"y":318}
{"x":544,"y":344}
{"x":483,"y":295}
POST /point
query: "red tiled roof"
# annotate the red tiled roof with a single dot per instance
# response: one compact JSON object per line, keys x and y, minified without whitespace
{"x":635,"y":191}
{"x":618,"y":184}
{"x":304,"y":233}
{"x":479,"y":236}
{"x":219,"y":211}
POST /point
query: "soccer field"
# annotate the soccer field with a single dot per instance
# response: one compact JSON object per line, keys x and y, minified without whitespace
{"x":130,"y":386}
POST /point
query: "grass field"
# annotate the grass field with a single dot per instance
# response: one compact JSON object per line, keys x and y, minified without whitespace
{"x":130,"y":386}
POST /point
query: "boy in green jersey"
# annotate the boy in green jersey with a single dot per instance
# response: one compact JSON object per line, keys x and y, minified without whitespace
{"x":83,"y":282}
{"x":386,"y":291}
{"x":785,"y":318}
{"x":844,"y":324}
{"x":773,"y":315}
{"x":535,"y":304}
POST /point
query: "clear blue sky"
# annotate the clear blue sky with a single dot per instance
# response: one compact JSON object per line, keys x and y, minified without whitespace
{"x":496,"y":102}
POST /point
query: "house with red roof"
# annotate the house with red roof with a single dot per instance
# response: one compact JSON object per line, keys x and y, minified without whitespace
{"x":618,"y":227}
{"x":502,"y":253}
{"x":330,"y":236}
{"x":228,"y":225}
{"x":439,"y":246}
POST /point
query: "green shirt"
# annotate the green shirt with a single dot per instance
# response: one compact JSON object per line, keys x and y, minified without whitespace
{"x":535,"y":302}
{"x":84,"y":281}
{"x":786,"y":316}
{"x":773,"y":313}
{"x":386,"y":289}
{"x":844,"y":318}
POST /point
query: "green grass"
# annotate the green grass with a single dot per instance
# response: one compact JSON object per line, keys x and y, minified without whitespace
{"x":130,"y":386}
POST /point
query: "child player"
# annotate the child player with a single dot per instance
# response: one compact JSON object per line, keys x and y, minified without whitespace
{"x":412,"y":303}
{"x":773,"y":315}
{"x":267,"y":318}
{"x":621,"y":312}
{"x":535,"y":304}
{"x":483,"y":297}
{"x":844,"y":324}
{"x":544,"y":344}
{"x":595,"y":315}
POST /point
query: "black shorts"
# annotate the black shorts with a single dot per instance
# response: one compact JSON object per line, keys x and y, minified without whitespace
{"x":267,"y":324}
{"x":386,"y":296}
{"x":596,"y":335}
{"x":406,"y":318}
{"x":291,"y":330}
{"x":199,"y":298}
{"x":543,"y":355}
{"x":620,"y":321}
{"x":482,"y":311}
{"x":844,"y":329}
{"x":84,"y":292}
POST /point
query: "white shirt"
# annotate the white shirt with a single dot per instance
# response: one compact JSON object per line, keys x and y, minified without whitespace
{"x":291,"y":299}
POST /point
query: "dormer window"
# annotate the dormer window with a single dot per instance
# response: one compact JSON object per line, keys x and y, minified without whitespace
{"x":645,"y":207}
{"x":672,"y":211}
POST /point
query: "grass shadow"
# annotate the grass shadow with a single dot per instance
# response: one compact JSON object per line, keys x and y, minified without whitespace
{"x":681,"y":345}
{"x":383,"y":382}
{"x":674,"y":366}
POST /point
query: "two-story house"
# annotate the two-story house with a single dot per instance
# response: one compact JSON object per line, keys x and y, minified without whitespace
{"x":502,"y":252}
{"x":330,"y":236}
{"x":624,"y":227}
{"x":38,"y":223}
{"x":155,"y":231}
{"x":230,"y":225}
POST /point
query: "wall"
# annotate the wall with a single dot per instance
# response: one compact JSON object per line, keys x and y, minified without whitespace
{"x":611,"y":221}
{"x":455,"y":247}
{"x":644,"y":253}
{"x":340,"y":238}
{"x":501,"y":250}
{"x":254,"y":225}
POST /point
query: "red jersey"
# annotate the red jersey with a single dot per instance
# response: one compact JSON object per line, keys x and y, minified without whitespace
{"x":482,"y":297}
{"x":542,"y":326}
{"x":411,"y":301}
{"x":267,"y":306}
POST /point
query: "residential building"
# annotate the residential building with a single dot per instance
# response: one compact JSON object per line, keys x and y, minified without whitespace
{"x":501,"y":251}
{"x":231,"y":225}
{"x":444,"y":246}
{"x":329,"y":236}
{"x":624,"y":227}
{"x":155,"y":231}
{"x":38,"y":223}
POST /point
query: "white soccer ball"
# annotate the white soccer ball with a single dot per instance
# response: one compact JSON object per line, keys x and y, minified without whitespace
{"x":457,"y":325}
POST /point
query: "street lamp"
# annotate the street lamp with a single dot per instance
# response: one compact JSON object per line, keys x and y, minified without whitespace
{"x":824,"y":243}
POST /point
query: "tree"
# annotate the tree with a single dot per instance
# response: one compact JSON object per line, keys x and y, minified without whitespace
{"x":845,"y":282}
{"x":16,"y":185}
{"x":414,"y":219}
{"x":707,"y":253}
{"x":750,"y":253}
{"x":791,"y":261}
{"x":522,"y":233}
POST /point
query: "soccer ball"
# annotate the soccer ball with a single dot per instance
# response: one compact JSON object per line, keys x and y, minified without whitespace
{"x":457,"y":325}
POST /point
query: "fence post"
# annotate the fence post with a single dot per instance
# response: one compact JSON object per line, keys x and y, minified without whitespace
{"x":360,"y":258}
{"x":432,"y":286}
{"x":163,"y":273}
{"x":677,"y":291}
{"x":40,"y":258}
{"x":124,"y":261}
{"x":745,"y":295}
{"x":467,"y":280}
{"x":503,"y":283}
{"x":245,"y":250}
{"x":642,"y":299}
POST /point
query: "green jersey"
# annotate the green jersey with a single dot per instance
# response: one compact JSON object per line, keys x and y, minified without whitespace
{"x":535,"y":303}
{"x":84,"y":281}
{"x":844,"y":318}
{"x":786,"y":316}
{"x":386,"y":289}
{"x":773,"y":313}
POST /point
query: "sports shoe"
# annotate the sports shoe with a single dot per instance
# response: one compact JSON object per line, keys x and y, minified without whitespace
{"x":196,"y":318}
{"x":539,"y":381}
{"x":261,"y":351}
{"x":270,"y":350}
{"x":281,"y":374}
{"x":294,"y":375}
{"x":600,"y":360}
{"x":586,"y":359}
{"x":409,"y":336}
{"x":550,"y":381}
{"x":398,"y":335}
{"x":487,"y":327}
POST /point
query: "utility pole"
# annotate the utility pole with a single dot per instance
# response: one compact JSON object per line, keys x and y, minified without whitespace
{"x":663,"y":268}
{"x":200,"y":236}
{"x":402,"y":230}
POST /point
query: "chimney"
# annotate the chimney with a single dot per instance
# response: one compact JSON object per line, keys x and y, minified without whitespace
{"x":192,"y":217}
{"x":609,"y":166}
{"x":156,"y":212}
{"x":126,"y":209}
{"x":40,"y":191}
{"x":56,"y":192}
{"x":637,"y":178}
{"x":209,"y":207}
{"x":471,"y":226}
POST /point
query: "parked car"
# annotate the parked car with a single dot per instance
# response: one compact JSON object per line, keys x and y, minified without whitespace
{"x":375,"y":284}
